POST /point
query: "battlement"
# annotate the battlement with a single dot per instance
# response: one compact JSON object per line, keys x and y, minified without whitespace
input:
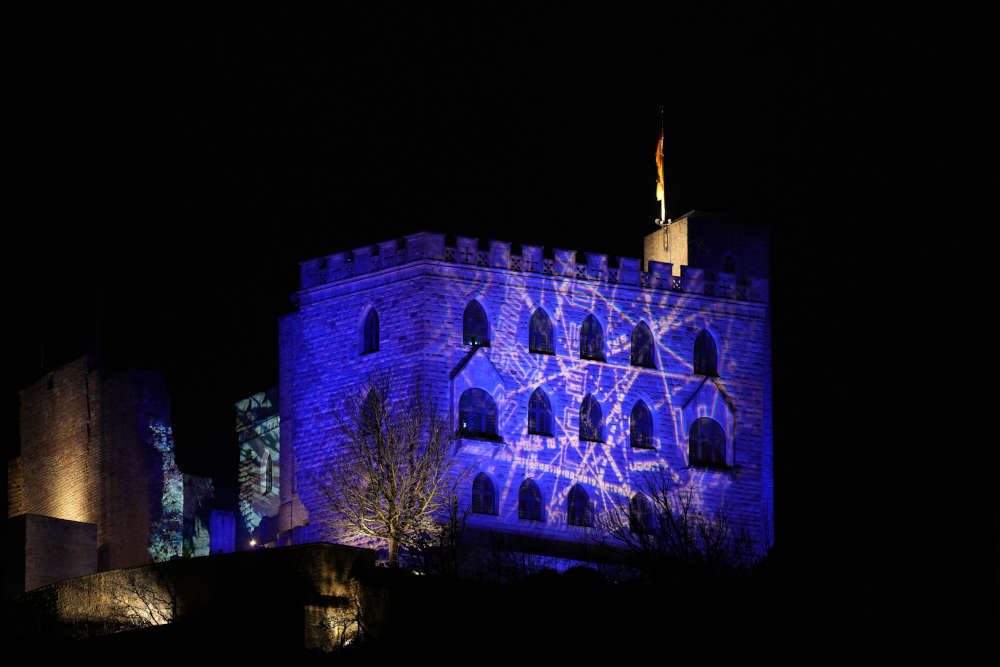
{"x":595,"y":266}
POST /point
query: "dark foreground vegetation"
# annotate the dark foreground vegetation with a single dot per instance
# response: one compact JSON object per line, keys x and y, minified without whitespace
{"x":578,"y":614}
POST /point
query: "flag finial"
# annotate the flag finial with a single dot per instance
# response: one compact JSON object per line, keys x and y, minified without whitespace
{"x":660,"y":187}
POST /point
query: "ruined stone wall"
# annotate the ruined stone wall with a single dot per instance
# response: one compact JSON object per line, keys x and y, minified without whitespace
{"x":136,"y":405}
{"x":61,"y":444}
{"x":15,"y":488}
{"x":87,"y":455}
{"x":58,"y":550}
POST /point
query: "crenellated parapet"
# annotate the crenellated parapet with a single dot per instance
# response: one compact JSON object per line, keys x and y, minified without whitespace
{"x":567,"y":263}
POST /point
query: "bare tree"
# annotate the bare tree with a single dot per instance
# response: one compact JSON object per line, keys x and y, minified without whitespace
{"x":394,"y":476}
{"x":663,"y":524}
{"x":143,"y":597}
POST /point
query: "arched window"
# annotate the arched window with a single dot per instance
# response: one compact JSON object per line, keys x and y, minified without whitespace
{"x":707,"y":443}
{"x":477,"y":415}
{"x":642,"y":346}
{"x":706,"y":354}
{"x":369,"y":341}
{"x":540,"y":333}
{"x":483,"y":495}
{"x":591,"y":339}
{"x":370,"y":416}
{"x":475,"y":326}
{"x":640,"y":427}
{"x":539,"y":413}
{"x":268,"y":474}
{"x":578,"y":507}
{"x":591,"y":420}
{"x":529,"y":501}
{"x":640,"y":515}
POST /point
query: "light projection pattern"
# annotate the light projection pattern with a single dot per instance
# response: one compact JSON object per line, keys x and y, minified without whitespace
{"x":259,"y":434}
{"x":648,"y":349}
{"x":166,"y":539}
{"x":672,"y":309}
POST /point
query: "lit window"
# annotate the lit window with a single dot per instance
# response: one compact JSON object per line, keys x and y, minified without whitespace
{"x":640,"y":428}
{"x":539,"y":414}
{"x":483,"y":495}
{"x":578,"y":507}
{"x":706,"y":355}
{"x":707,"y":444}
{"x":475,"y":326}
{"x":591,"y":339}
{"x":540,"y":333}
{"x":477,"y":414}
{"x":370,"y":337}
{"x":642,"y":346}
{"x":591,"y":420}
{"x":529,"y":501}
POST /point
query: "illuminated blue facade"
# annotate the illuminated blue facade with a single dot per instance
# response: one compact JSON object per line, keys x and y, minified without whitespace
{"x":568,"y":379}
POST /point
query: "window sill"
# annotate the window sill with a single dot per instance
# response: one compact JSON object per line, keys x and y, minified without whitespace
{"x":548,"y":353}
{"x":710,"y":467}
{"x":542,"y":435}
{"x":487,"y":437}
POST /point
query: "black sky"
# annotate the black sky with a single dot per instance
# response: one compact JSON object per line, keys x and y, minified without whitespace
{"x":172,"y":171}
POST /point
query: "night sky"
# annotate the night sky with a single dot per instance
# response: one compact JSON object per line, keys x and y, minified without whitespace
{"x":171,"y":171}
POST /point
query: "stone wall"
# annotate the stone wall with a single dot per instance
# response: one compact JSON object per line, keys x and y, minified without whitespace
{"x":87,"y":455}
{"x":58,"y":549}
{"x":60,"y":444}
{"x":15,"y":488}
{"x":132,"y":468}
{"x":292,"y":516}
{"x":420,"y":306}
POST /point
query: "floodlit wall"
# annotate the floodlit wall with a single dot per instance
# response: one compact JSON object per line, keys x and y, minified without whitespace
{"x":420,"y":289}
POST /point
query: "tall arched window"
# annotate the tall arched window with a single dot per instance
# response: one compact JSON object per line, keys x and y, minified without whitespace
{"x":640,"y":427}
{"x":706,"y":354}
{"x":591,"y":420}
{"x":578,"y":507}
{"x":529,"y":501}
{"x":640,"y":515}
{"x":475,"y":326}
{"x":477,"y":415}
{"x":369,"y":342}
{"x":371,"y":414}
{"x":707,"y":443}
{"x":268,"y":474}
{"x":591,"y":339}
{"x":540,"y":340}
{"x":642,"y":346}
{"x":483,"y":495}
{"x":539,"y":413}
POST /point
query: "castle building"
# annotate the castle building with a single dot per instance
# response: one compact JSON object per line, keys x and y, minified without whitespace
{"x":569,"y":380}
{"x":96,"y":486}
